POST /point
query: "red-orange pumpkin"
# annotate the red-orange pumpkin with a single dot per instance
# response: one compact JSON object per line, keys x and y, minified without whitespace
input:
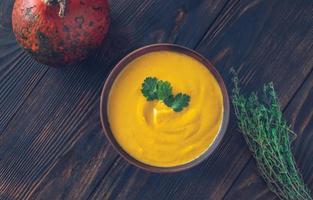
{"x":60,"y":32}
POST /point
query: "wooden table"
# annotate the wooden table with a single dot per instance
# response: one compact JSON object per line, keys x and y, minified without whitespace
{"x":51,"y":142}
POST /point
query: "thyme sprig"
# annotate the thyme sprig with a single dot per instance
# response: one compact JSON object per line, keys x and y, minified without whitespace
{"x":269,"y":138}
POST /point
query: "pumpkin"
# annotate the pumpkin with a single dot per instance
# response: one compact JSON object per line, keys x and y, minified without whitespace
{"x":60,"y":32}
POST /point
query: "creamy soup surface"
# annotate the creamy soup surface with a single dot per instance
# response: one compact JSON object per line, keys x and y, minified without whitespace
{"x":150,"y":131}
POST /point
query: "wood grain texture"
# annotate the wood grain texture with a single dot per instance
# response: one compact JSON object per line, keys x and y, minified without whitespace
{"x":299,"y":113}
{"x":266,"y":41}
{"x":16,"y":81}
{"x":53,"y":147}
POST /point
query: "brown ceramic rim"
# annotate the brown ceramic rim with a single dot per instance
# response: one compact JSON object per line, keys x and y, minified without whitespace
{"x":115,"y":72}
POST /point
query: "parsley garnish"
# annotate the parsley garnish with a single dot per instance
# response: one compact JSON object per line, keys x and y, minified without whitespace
{"x":149,"y":88}
{"x":164,"y":90}
{"x":154,"y":89}
{"x":180,"y":101}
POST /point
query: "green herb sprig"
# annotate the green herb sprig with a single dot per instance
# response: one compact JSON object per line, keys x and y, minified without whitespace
{"x":155,"y":89}
{"x":268,"y":137}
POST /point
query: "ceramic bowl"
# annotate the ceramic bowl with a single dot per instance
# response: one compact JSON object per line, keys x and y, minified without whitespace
{"x":115,"y":72}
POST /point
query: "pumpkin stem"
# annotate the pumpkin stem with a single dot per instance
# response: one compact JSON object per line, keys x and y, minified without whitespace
{"x":62,"y":4}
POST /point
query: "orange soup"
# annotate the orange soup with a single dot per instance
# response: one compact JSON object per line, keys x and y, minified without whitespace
{"x":150,"y":131}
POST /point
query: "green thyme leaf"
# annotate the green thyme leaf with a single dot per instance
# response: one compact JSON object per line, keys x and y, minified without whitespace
{"x":269,"y":137}
{"x":149,"y":88}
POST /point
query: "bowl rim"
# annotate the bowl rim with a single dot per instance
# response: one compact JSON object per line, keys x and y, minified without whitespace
{"x":115,"y":72}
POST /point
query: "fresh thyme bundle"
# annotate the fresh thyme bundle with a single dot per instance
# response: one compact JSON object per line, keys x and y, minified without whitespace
{"x":268,"y":137}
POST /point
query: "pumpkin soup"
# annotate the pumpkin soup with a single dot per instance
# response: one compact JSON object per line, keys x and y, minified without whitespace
{"x":152,"y":132}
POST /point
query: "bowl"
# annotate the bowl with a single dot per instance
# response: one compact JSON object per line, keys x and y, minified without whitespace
{"x":104,"y":101}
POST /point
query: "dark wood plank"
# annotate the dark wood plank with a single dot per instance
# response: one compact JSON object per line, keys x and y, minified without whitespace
{"x":75,"y":173}
{"x":266,"y":41}
{"x":16,"y":81}
{"x":299,"y":113}
{"x":53,"y":147}
{"x":20,"y":81}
